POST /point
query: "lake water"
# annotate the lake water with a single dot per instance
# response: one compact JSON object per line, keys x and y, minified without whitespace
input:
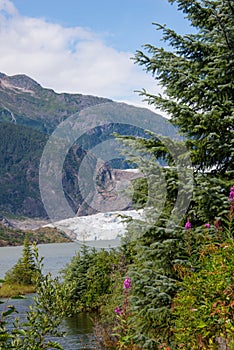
{"x":78,"y":329}
{"x":56,"y":255}
{"x":79,"y":334}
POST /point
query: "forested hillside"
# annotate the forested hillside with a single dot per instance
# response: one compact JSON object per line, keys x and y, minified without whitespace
{"x":29,"y":113}
{"x":20,"y":152}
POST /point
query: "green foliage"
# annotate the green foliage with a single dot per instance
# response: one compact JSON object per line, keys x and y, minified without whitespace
{"x":204,"y":308}
{"x":24,"y":271}
{"x":114,"y":327}
{"x":89,"y":277}
{"x":154,"y":284}
{"x":140,"y":194}
{"x":43,"y":318}
{"x":181,"y":294}
{"x":155,"y":244}
{"x":209,"y":198}
{"x":196,"y":74}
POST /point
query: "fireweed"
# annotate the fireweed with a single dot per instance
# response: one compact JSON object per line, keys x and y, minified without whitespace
{"x":123,"y":314}
{"x":231,"y":212}
{"x":209,"y":320}
{"x":200,"y":242}
{"x":188,"y":225}
{"x":231,"y":195}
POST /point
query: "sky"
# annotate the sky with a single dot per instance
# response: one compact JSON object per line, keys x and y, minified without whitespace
{"x":84,"y":46}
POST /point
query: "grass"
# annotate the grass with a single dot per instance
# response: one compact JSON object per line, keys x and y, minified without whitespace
{"x":12,"y":290}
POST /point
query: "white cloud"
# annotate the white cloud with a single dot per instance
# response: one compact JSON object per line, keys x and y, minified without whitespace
{"x":8,"y":7}
{"x":67,"y":59}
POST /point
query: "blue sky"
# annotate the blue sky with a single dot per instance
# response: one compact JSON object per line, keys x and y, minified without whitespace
{"x":125,"y":23}
{"x":83,"y":46}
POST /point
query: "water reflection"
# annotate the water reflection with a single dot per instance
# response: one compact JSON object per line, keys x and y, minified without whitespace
{"x":79,"y":332}
{"x":78,"y":329}
{"x":82,"y":323}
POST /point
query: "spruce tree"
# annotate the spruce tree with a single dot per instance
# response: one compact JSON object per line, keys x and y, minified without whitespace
{"x":24,"y":271}
{"x":196,"y":73}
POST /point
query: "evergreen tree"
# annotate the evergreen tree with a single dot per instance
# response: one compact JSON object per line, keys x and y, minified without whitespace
{"x":196,"y":74}
{"x":88,"y":277}
{"x":24,"y":271}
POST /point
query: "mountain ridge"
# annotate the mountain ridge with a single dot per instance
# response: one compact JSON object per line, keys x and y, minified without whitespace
{"x":25,"y":102}
{"x":19,"y":81}
{"x":29,"y":113}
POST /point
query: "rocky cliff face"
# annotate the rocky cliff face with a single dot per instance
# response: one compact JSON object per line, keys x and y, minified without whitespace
{"x":29,"y":114}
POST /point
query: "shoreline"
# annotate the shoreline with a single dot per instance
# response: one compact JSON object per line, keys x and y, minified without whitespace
{"x":100,"y":243}
{"x":13,"y":290}
{"x":37,"y":244}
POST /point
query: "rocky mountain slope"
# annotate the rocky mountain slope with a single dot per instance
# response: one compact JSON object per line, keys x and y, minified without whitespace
{"x":29,"y":114}
{"x":25,"y":102}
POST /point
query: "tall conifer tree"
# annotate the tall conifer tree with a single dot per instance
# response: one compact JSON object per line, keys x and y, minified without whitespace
{"x":196,"y":73}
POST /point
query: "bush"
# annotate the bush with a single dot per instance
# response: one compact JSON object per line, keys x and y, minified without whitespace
{"x":89,"y":277}
{"x":43,"y":318}
{"x":204,"y":308}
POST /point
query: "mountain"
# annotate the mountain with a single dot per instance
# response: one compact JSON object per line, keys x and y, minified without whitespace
{"x":30,"y":114}
{"x":24,"y":102}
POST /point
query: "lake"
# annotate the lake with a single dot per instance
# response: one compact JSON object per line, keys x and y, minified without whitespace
{"x":56,"y":256}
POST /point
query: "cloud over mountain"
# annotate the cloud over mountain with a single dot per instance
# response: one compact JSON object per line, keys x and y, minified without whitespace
{"x":72,"y":59}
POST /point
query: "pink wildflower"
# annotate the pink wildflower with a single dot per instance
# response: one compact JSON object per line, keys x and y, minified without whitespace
{"x":207,"y":225}
{"x":231,"y":195}
{"x":127,"y":283}
{"x":117,"y":310}
{"x":188,"y":225}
